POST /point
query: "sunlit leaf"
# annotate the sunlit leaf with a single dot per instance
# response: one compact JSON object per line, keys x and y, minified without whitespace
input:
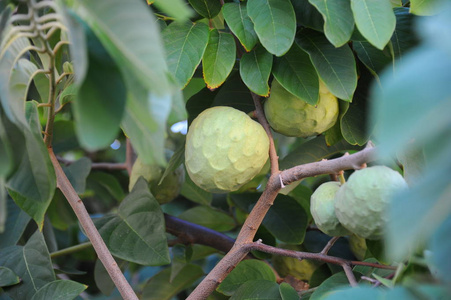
{"x":240,"y":24}
{"x":425,"y":7}
{"x":174,"y":8}
{"x":255,"y":68}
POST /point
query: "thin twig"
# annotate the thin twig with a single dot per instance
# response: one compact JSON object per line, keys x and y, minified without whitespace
{"x":329,"y":245}
{"x":350,"y":275}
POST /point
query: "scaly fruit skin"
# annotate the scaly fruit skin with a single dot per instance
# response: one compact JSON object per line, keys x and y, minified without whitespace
{"x":168,"y":189}
{"x":322,"y":207}
{"x":225,"y":149}
{"x":292,"y":116}
{"x":361,"y":203}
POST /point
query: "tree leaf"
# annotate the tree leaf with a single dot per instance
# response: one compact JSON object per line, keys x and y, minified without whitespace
{"x":335,"y":66}
{"x":338,"y":20}
{"x":59,"y":290}
{"x":64,"y":137}
{"x":174,"y":8}
{"x":206,"y":8}
{"x":295,"y":72}
{"x":6,"y":152}
{"x":174,"y":162}
{"x":440,"y":247}
{"x":245,"y":271}
{"x":288,"y":292}
{"x":425,"y":8}
{"x":69,"y":94}
{"x":374,"y":59}
{"x":219,"y":58}
{"x":274,"y":23}
{"x":185,"y":44}
{"x":194,"y":193}
{"x":404,"y":37}
{"x":235,"y":93}
{"x":375,"y":20}
{"x":334,"y":283}
{"x":258,"y":289}
{"x":160,"y":288}
{"x":255,"y":68}
{"x":140,"y":53}
{"x":136,"y":233}
{"x":235,"y":14}
{"x":16,"y":222}
{"x":77,"y":172}
{"x":211,"y":218}
{"x":8,"y":277}
{"x":31,"y":263}
{"x":307,"y":15}
{"x":100,"y":102}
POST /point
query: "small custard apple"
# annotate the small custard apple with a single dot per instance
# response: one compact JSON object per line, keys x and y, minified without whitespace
{"x":168,"y":189}
{"x":292,"y":116}
{"x":322,"y":207}
{"x":225,"y":149}
{"x":361,"y":203}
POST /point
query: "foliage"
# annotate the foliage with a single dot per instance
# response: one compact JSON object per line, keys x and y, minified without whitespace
{"x":98,"y":82}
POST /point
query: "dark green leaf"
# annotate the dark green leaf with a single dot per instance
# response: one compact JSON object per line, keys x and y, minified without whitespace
{"x":338,"y":20}
{"x":3,"y":209}
{"x":8,"y":277}
{"x":404,"y":36}
{"x":240,"y":24}
{"x":307,"y":15}
{"x":211,"y":218}
{"x":31,"y":263}
{"x":64,"y":138}
{"x":288,"y":292}
{"x":194,"y":193}
{"x":106,"y":182}
{"x":137,"y":232}
{"x":335,"y":66}
{"x":16,"y":222}
{"x":374,"y":59}
{"x":334,"y":135}
{"x":199,"y":102}
{"x":175,"y":161}
{"x":185,"y":44}
{"x":160,"y":288}
{"x":100,"y":102}
{"x":375,"y":20}
{"x":258,"y":290}
{"x":59,"y":290}
{"x":103,"y":279}
{"x":140,"y":53}
{"x":77,"y":172}
{"x":6,"y":155}
{"x":274,"y":23}
{"x":206,"y":8}
{"x":235,"y":93}
{"x":313,"y":150}
{"x":219,"y":58}
{"x":255,"y":68}
{"x":60,"y":213}
{"x":245,"y":271}
{"x":295,"y":72}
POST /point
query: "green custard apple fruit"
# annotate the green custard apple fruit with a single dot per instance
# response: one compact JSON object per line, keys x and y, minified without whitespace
{"x":361,"y":203}
{"x":301,"y":269}
{"x":292,"y":116}
{"x":225,"y":149}
{"x":322,"y":207}
{"x":169,"y":188}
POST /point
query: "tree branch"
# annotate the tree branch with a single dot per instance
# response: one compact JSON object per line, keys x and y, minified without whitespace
{"x":91,"y":231}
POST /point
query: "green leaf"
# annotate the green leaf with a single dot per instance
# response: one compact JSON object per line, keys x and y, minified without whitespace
{"x":206,"y":8}
{"x":334,"y":283}
{"x":174,"y":8}
{"x":140,"y":53}
{"x":240,"y":24}
{"x":245,"y":271}
{"x":137,"y":232}
{"x":211,"y":218}
{"x":413,"y":164}
{"x":404,"y":37}
{"x":256,"y":290}
{"x":100,"y":101}
{"x":219,"y":58}
{"x":3,"y":209}
{"x":314,"y":150}
{"x":335,"y":66}
{"x":101,"y":181}
{"x":60,"y":213}
{"x":16,"y":222}
{"x":174,"y":162}
{"x":194,"y":193}
{"x":274,"y":23}
{"x":103,"y":279}
{"x":64,"y":137}
{"x":235,"y":93}
{"x":288,"y":292}
{"x":295,"y":72}
{"x":338,"y":20}
{"x":59,"y":290}
{"x":160,"y":288}
{"x":375,"y":20}
{"x":374,"y":59}
{"x":6,"y":152}
{"x":199,"y":102}
{"x":425,"y":7}
{"x":255,"y":68}
{"x":307,"y":15}
{"x":68,"y":94}
{"x":31,"y":263}
{"x":185,"y":44}
{"x":334,"y":135}
{"x":441,"y":247}
{"x":8,"y":277}
{"x":77,"y":172}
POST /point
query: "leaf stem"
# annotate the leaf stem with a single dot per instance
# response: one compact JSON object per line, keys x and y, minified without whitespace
{"x":70,"y":250}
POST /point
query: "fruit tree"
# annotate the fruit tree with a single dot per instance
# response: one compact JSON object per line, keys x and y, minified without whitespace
{"x":225,"y":149}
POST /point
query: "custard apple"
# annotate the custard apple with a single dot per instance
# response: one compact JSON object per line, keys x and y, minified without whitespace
{"x":361,"y":203}
{"x":292,"y":116}
{"x":322,"y":207}
{"x":225,"y":149}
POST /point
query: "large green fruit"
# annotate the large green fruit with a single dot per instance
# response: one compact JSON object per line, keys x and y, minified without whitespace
{"x":362,"y":202}
{"x":170,"y":186}
{"x":301,"y":269}
{"x":322,"y":207}
{"x":225,"y":149}
{"x":292,"y":116}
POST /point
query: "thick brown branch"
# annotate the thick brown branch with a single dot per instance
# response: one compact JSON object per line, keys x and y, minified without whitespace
{"x":85,"y":220}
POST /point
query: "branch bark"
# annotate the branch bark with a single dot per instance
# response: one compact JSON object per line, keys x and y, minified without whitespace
{"x":101,"y":249}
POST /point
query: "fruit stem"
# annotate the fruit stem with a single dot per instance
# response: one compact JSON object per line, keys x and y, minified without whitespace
{"x":341,"y":177}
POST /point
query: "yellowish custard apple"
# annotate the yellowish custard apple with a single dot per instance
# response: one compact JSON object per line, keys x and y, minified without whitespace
{"x":292,"y":116}
{"x":361,"y":203}
{"x":225,"y":149}
{"x":322,"y":207}
{"x":168,"y":189}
